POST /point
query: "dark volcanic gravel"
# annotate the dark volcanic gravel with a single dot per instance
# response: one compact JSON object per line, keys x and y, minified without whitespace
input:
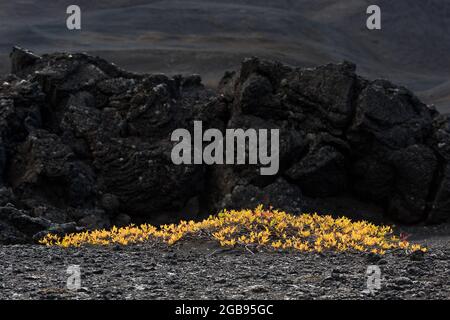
{"x":193,"y":270}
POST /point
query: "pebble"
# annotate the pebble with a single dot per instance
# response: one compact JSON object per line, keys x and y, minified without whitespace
{"x":401,"y":281}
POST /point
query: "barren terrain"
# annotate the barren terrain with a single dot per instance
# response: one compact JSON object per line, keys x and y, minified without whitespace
{"x":192,"y":270}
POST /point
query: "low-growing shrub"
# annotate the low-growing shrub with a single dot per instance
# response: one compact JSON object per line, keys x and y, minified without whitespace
{"x":260,"y":228}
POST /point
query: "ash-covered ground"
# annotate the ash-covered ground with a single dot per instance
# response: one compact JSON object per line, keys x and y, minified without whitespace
{"x":193,"y":270}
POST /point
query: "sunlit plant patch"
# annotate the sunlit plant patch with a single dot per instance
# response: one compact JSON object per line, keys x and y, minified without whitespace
{"x":258,"y":228}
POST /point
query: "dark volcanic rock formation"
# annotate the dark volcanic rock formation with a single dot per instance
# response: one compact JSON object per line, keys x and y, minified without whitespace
{"x":344,"y":134}
{"x":84,"y":144}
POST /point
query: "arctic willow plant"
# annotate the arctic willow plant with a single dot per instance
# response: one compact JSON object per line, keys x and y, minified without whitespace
{"x":272,"y":229}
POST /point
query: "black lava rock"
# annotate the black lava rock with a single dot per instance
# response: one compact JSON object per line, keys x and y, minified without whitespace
{"x":85,"y":143}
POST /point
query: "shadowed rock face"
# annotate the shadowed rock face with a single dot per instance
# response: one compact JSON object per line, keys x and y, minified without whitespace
{"x":345,"y":134}
{"x":84,"y":144}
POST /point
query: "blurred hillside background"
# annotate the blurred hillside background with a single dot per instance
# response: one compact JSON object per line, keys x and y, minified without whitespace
{"x":211,"y":36}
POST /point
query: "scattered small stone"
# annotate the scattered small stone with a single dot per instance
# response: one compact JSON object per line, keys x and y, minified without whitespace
{"x":220,"y":280}
{"x":99,"y":271}
{"x":417,"y":255}
{"x":401,"y":281}
{"x":258,"y":289}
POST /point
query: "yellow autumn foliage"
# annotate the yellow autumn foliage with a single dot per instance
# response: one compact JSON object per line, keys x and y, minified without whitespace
{"x":261,"y":228}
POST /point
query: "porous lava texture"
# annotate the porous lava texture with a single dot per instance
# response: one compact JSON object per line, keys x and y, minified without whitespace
{"x":84,"y":144}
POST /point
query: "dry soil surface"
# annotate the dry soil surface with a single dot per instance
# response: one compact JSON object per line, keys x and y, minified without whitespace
{"x":199,"y":270}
